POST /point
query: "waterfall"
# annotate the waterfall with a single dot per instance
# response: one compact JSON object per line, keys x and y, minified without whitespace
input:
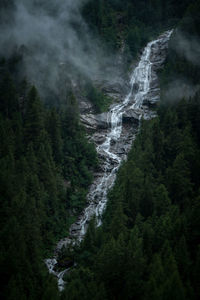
{"x":145,"y":79}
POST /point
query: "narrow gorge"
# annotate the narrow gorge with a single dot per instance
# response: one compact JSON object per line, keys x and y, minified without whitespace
{"x":113,"y":133}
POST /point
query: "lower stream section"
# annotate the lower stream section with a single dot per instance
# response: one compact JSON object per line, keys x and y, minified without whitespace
{"x":113,"y":143}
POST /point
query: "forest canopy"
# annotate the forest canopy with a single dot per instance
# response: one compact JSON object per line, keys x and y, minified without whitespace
{"x":148,"y":245}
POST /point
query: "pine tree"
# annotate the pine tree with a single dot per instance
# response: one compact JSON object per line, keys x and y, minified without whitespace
{"x":136,"y":263}
{"x":161,"y":200}
{"x":182,"y":258}
{"x":154,"y":287}
{"x":54,"y":130}
{"x":179,"y":180}
{"x":8,"y":97}
{"x":34,"y":118}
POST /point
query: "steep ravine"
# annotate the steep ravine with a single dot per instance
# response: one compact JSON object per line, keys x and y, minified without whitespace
{"x":113,"y":134}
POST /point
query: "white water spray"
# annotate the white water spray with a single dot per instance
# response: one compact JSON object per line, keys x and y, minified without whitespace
{"x":97,"y":196}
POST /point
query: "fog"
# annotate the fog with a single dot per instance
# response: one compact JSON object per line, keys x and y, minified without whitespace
{"x":51,"y":34}
{"x":189,"y":47}
{"x":179,"y":89}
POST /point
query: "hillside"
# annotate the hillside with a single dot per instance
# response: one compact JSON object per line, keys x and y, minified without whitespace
{"x":54,"y":57}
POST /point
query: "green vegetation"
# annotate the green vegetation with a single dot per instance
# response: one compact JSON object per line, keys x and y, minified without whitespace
{"x":45,"y":170}
{"x":148,"y":246}
{"x":100,"y":101}
{"x":132,"y":21}
{"x":183,"y":59}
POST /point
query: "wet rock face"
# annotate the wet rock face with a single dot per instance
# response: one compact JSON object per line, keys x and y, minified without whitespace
{"x":159,"y":51}
{"x":116,"y":90}
{"x":89,"y":121}
{"x":113,"y":133}
{"x":157,"y":58}
{"x":85,"y":106}
{"x":103,"y":120}
{"x":135,"y":87}
{"x":131,"y":116}
{"x":93,"y":122}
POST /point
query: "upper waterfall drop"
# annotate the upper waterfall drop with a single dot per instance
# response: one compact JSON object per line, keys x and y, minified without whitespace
{"x":117,"y":141}
{"x":141,"y":76}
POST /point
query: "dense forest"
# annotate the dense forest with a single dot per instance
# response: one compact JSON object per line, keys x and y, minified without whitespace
{"x":132,"y":22}
{"x":148,"y":246}
{"x":46,"y":168}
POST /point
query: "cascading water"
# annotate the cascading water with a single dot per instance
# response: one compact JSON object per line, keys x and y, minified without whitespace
{"x":142,"y":77}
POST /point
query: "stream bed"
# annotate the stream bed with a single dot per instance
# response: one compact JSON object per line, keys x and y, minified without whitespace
{"x":114,"y":141}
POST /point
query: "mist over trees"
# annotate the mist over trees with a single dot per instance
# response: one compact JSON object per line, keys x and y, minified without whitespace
{"x":148,"y":246}
{"x":46,"y":168}
{"x":48,"y":37}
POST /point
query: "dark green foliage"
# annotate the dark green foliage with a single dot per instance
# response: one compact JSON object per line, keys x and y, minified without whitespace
{"x":182,"y":65}
{"x":149,"y":243}
{"x":148,"y":246}
{"x":45,"y":162}
{"x":100,"y":101}
{"x":79,"y":156}
{"x":134,"y":22}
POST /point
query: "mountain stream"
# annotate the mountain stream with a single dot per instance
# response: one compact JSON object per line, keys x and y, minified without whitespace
{"x":114,"y":142}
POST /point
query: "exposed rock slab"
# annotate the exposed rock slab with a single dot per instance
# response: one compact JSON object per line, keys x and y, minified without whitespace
{"x":131,"y":116}
{"x":113,"y":133}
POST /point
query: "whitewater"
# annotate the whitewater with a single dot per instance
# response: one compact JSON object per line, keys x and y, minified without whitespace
{"x":142,"y":89}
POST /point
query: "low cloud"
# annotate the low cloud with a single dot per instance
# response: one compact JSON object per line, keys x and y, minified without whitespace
{"x":188,"y":47}
{"x":51,"y":34}
{"x":179,"y":89}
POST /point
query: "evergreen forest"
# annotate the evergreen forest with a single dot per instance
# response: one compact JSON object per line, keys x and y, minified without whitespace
{"x":148,"y":246}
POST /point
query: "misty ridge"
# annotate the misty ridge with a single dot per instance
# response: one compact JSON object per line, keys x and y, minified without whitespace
{"x":179,"y":89}
{"x":56,"y":45}
{"x":52,"y":36}
{"x":188,"y":49}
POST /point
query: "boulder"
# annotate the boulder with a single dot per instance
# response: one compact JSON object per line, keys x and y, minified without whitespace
{"x":95,"y":121}
{"x":98,"y":138}
{"x":89,"y":121}
{"x":131,"y":116}
{"x":103,"y":120}
{"x":75,"y":228}
{"x":85,"y":106}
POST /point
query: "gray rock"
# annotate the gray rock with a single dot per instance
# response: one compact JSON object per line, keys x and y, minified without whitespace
{"x":85,"y":106}
{"x":131,"y":116}
{"x":103,"y":120}
{"x":89,"y":121}
{"x":75,"y":227}
{"x":98,"y":138}
{"x":95,"y":122}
